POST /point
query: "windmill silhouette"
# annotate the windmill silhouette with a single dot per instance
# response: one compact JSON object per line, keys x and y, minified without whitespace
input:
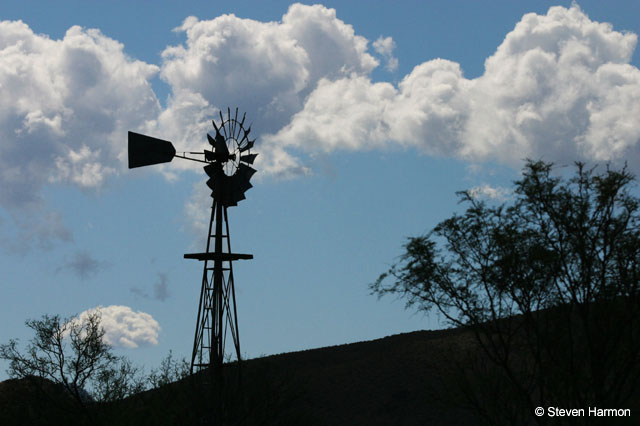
{"x":228,"y":165}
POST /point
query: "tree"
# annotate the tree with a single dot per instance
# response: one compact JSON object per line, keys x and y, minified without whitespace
{"x":548,"y":286}
{"x":73,"y":354}
{"x":171,"y":370}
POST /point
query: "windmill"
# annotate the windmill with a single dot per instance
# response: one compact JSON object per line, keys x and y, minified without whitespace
{"x":228,"y":165}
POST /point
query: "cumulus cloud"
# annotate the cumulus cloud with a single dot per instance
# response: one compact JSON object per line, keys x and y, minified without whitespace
{"x":384,"y":46}
{"x":125,"y":327}
{"x":281,"y":62}
{"x":559,"y":87}
{"x":65,"y":109}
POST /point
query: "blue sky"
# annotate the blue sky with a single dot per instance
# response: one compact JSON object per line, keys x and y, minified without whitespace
{"x":368,"y":119}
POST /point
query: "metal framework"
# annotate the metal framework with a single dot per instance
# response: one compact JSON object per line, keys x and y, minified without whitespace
{"x":217,"y":311}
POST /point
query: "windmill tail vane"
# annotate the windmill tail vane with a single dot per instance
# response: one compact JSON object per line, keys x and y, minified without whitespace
{"x":228,"y":166}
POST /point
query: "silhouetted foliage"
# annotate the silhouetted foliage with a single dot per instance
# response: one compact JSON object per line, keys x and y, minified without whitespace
{"x":548,"y":284}
{"x":68,"y":375}
{"x":73,"y":353}
{"x":170,"y":370}
{"x":71,"y":365}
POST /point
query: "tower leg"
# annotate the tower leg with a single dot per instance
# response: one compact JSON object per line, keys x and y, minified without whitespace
{"x":217,"y":307}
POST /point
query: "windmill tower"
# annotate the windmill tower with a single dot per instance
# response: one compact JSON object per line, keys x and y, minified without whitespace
{"x":229,"y":170}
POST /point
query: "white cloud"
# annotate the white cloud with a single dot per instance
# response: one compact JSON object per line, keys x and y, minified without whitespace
{"x":64,"y":113}
{"x":83,"y":168}
{"x":559,"y":87}
{"x":281,"y":62}
{"x":332,"y":46}
{"x":197,"y":213}
{"x":384,"y":46}
{"x":274,"y":67}
{"x":343,"y":114}
{"x":487,"y":191}
{"x":125,"y":327}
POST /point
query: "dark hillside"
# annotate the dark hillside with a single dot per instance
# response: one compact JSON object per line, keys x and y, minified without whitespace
{"x":389,"y":381}
{"x":405,"y":379}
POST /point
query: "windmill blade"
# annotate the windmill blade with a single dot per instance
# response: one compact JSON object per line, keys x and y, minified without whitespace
{"x":238,"y":184}
{"x":246,"y":136}
{"x":237,"y":198}
{"x":245,"y":186}
{"x":235,"y":123}
{"x":211,"y":169}
{"x":221,"y":145}
{"x":222,"y":124}
{"x":215,"y":173}
{"x":245,"y":171}
{"x":249,"y":145}
{"x":219,"y":186}
{"x":248,"y":158}
{"x":146,"y":151}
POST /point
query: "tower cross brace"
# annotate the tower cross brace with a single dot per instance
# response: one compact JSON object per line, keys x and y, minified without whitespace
{"x":217,"y":310}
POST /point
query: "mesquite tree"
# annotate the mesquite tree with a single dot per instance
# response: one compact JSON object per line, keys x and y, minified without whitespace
{"x":548,"y":284}
{"x":73,"y":354}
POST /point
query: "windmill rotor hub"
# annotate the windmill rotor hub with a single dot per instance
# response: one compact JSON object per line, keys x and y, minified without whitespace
{"x":232,"y":160}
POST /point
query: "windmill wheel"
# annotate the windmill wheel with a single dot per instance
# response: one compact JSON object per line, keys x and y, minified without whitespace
{"x":232,"y":145}
{"x":230,"y":160}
